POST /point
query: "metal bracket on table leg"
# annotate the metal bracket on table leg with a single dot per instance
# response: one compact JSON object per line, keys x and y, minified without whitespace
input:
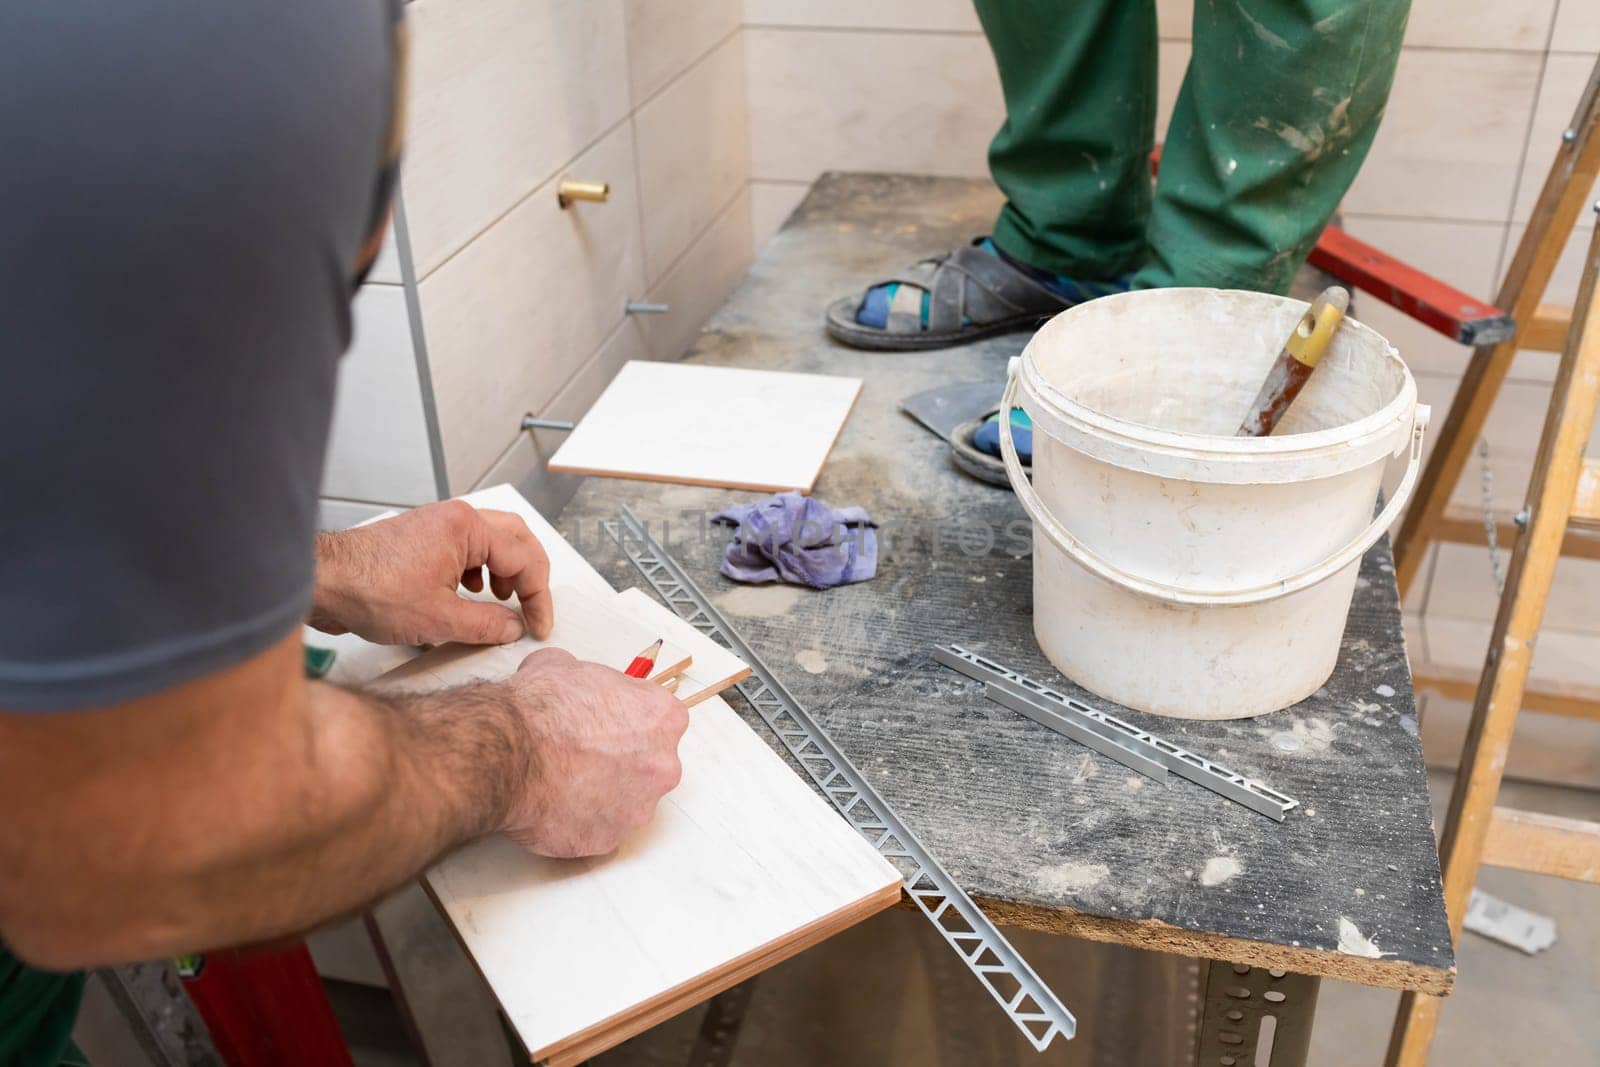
{"x":1255,"y":1016}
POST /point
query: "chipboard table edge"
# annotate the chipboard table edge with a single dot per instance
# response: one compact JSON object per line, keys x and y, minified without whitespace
{"x":1157,"y":936}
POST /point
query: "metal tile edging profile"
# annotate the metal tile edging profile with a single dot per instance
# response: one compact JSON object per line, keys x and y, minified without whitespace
{"x":1024,"y":997}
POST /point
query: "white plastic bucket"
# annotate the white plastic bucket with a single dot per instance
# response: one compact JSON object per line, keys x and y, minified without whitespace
{"x":1178,"y":569}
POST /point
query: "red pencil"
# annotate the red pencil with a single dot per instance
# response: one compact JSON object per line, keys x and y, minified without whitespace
{"x":640,"y":667}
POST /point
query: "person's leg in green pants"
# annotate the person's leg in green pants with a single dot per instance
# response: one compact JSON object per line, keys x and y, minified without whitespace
{"x":1079,"y":80}
{"x":1277,"y":111}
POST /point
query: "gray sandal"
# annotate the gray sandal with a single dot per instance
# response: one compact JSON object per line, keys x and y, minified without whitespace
{"x":971,"y":294}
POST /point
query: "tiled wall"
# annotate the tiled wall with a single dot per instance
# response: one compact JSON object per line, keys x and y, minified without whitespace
{"x":1483,"y":90}
{"x":494,"y":301}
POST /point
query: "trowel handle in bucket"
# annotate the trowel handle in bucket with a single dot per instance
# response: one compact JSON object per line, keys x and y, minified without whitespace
{"x":1093,"y":562}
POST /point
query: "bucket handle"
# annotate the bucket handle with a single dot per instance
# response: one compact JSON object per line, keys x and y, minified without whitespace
{"x":1174,"y":594}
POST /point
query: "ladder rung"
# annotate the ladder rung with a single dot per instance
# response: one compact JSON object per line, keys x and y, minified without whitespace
{"x":1586,"y":501}
{"x":1461,"y":683}
{"x":1464,"y":526}
{"x":1543,"y":844}
{"x":1547,"y":330}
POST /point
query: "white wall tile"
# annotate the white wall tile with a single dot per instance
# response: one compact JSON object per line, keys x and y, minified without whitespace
{"x":1485,"y":24}
{"x":1545,"y":748}
{"x":1563,"y":287}
{"x":503,"y":94}
{"x":1452,"y":137}
{"x":869,"y":101}
{"x":1559,"y":656}
{"x":1175,"y":19}
{"x":513,"y":315}
{"x":694,"y":154}
{"x":524,"y":463}
{"x":378,"y":449}
{"x":1577,"y":27}
{"x":1532,"y":366}
{"x":1493,"y":24}
{"x":880,"y":15}
{"x":702,"y":280}
{"x":1563,"y":82}
{"x":1463,"y":588}
{"x":666,"y":36}
{"x":770,"y":205}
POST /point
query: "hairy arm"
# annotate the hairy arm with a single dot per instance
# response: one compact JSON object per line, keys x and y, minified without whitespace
{"x":251,"y":803}
{"x":238,"y":807}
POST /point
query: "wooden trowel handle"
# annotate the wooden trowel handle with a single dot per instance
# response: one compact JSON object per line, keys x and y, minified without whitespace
{"x":1300,"y":355}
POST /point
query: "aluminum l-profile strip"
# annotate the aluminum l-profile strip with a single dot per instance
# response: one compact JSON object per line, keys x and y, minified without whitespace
{"x":1021,"y":994}
{"x":1001,"y":680}
{"x":1041,"y":713}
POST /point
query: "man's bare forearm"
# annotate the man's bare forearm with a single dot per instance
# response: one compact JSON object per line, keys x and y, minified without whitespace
{"x":265,"y":805}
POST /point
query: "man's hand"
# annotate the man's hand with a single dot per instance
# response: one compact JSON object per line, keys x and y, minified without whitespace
{"x":605,"y":749}
{"x":395,"y":581}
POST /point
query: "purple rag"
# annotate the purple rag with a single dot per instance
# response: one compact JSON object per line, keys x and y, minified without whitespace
{"x":796,"y":539}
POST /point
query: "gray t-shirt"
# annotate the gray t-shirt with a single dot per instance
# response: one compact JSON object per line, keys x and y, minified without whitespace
{"x":185,"y":193}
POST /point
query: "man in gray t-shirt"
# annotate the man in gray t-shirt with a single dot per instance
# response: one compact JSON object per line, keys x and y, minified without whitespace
{"x":190,"y":194}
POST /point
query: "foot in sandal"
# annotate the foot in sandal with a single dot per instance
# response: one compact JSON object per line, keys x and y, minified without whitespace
{"x":973,"y":292}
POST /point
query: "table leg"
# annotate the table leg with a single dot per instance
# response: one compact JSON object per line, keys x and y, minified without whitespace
{"x":719,"y":1031}
{"x":1254,"y":1016}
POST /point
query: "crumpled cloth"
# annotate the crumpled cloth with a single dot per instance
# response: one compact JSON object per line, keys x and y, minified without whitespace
{"x":800,"y":540}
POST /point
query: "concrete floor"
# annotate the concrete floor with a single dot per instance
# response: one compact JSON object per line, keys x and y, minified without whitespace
{"x":888,"y":992}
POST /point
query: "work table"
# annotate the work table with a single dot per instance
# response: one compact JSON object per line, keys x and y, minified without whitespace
{"x":1042,"y":832}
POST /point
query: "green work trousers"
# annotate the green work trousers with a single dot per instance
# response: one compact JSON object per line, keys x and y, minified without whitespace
{"x":37,"y":1010}
{"x":1277,"y":110}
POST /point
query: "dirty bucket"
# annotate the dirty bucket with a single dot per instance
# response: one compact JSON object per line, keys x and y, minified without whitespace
{"x":1179,"y":569}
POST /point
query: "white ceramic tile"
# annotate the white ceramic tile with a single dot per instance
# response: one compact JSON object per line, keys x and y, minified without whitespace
{"x":523,"y":464}
{"x":1531,"y":366}
{"x":1489,"y":24}
{"x":502,"y":94}
{"x":1563,"y":82}
{"x":879,"y":15}
{"x":1452,"y":137}
{"x":378,"y":448}
{"x":1515,"y":423}
{"x":1545,"y":748}
{"x":1462,"y":254}
{"x":1417,"y":598}
{"x":1175,"y":19}
{"x":770,"y":206}
{"x":1559,"y":656}
{"x":1493,"y":24}
{"x":626,"y":342}
{"x":702,"y":280}
{"x":666,"y":36}
{"x":1577,"y":27}
{"x":1563,"y":287}
{"x":1463,"y":587}
{"x":694,"y":154}
{"x":513,"y":315}
{"x":912,"y":104}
